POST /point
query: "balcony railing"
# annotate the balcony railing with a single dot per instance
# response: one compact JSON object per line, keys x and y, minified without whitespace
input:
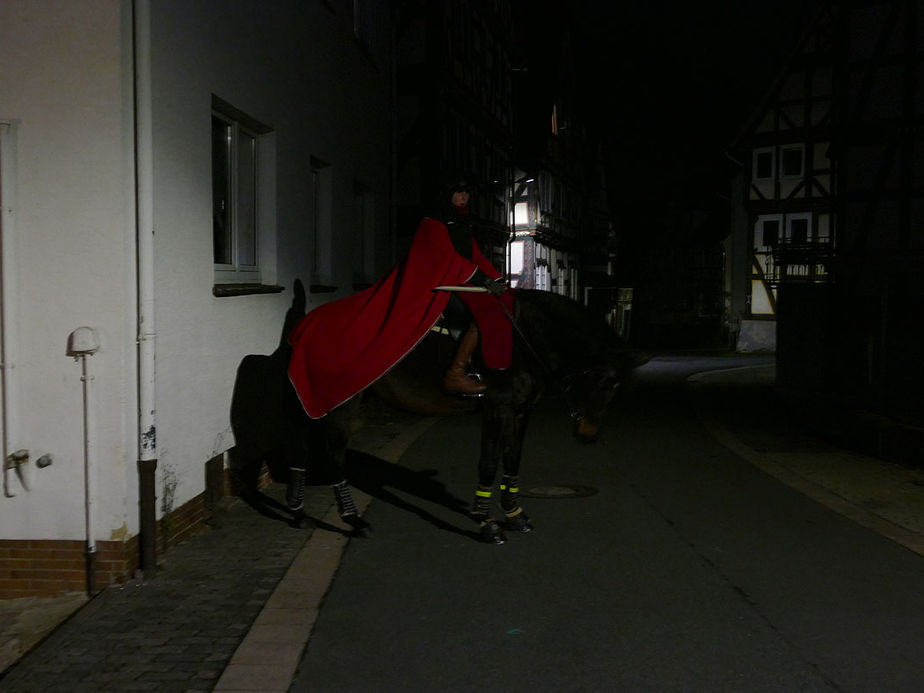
{"x":799,"y":262}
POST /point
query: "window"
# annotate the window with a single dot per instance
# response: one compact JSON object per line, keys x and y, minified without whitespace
{"x":321,"y":225}
{"x":764,"y":164}
{"x":769,"y":233}
{"x":241,"y":181}
{"x":798,"y":228}
{"x":363,"y":231}
{"x":363,"y":22}
{"x":792,"y":162}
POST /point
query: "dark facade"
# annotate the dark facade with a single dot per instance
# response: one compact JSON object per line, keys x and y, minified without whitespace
{"x":455,"y":111}
{"x":560,"y":211}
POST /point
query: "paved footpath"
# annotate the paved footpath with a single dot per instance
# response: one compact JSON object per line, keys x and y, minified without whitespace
{"x":211,"y":619}
{"x":178,"y":631}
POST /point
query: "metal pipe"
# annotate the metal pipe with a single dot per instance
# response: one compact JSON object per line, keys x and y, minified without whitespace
{"x":81,"y":343}
{"x":9,"y":353}
{"x":89,"y":470}
{"x":144,"y":210}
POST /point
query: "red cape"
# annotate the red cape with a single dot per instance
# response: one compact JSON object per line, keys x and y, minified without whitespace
{"x":342,"y":347}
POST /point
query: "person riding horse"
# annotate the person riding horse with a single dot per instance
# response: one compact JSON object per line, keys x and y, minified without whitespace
{"x":455,"y":212}
{"x":342,"y":347}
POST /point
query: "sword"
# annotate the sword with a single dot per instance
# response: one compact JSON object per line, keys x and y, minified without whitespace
{"x":462,"y":289}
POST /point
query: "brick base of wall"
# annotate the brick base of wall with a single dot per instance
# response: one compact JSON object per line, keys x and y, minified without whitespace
{"x":49,"y":567}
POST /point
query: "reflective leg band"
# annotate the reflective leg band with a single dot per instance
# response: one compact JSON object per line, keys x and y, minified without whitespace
{"x":482,"y":504}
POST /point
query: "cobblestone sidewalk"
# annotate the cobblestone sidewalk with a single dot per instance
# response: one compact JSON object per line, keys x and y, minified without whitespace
{"x":178,"y":631}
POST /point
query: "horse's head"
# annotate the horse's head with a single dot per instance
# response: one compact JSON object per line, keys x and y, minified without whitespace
{"x":590,"y":391}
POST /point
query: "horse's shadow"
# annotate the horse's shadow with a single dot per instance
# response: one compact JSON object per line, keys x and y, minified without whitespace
{"x":270,"y":426}
{"x":269,"y":507}
{"x":384,"y":481}
{"x":391,"y":483}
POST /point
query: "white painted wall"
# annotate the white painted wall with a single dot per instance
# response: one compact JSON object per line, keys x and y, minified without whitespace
{"x":61,"y":87}
{"x":66,"y":85}
{"x":297,"y":68}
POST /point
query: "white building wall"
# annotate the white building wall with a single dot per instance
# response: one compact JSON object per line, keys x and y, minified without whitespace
{"x":296,"y":67}
{"x":66,"y":86}
{"x":70,"y":227}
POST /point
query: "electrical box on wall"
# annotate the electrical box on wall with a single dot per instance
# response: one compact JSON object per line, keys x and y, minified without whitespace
{"x":83,"y":340}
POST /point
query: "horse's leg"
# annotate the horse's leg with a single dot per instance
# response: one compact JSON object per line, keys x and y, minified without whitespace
{"x":295,"y":459}
{"x":492,"y":436}
{"x":336,"y":441}
{"x":516,"y":519}
{"x":295,"y":489}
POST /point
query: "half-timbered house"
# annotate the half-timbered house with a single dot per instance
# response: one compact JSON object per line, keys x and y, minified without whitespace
{"x":830,"y":227}
{"x":784,"y":228}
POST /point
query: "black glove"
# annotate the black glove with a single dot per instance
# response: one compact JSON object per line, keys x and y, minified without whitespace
{"x":495,"y":287}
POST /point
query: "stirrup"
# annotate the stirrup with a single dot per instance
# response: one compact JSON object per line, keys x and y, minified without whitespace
{"x":475,"y":377}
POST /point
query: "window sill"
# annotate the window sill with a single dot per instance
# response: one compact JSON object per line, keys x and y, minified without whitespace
{"x":222,"y":290}
{"x":322,"y":289}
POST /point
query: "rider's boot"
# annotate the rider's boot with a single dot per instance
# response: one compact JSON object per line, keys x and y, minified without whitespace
{"x":489,"y":529}
{"x":515,"y":519}
{"x":295,"y":491}
{"x":347,"y":508}
{"x":456,"y":379}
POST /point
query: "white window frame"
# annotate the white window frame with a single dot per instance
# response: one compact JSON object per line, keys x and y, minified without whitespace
{"x":262,"y":191}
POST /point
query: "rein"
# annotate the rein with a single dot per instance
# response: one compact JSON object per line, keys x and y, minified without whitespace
{"x":576,"y":412}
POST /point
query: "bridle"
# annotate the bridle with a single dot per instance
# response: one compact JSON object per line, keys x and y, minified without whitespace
{"x":577,"y":411}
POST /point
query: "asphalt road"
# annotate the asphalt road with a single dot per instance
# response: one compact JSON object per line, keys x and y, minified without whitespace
{"x":688,"y":569}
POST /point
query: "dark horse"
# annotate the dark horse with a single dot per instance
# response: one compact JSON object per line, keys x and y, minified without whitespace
{"x":557,"y":344}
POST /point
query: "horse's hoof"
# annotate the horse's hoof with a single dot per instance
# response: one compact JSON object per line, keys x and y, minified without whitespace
{"x":301,"y":521}
{"x":491,"y":532}
{"x":519,"y":522}
{"x":360,"y":527}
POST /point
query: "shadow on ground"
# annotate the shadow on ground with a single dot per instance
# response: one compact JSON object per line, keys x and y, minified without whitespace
{"x":391,"y":483}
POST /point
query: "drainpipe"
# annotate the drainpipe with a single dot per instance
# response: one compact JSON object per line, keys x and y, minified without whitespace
{"x":12,"y":455}
{"x":144,"y":210}
{"x":81,"y":343}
